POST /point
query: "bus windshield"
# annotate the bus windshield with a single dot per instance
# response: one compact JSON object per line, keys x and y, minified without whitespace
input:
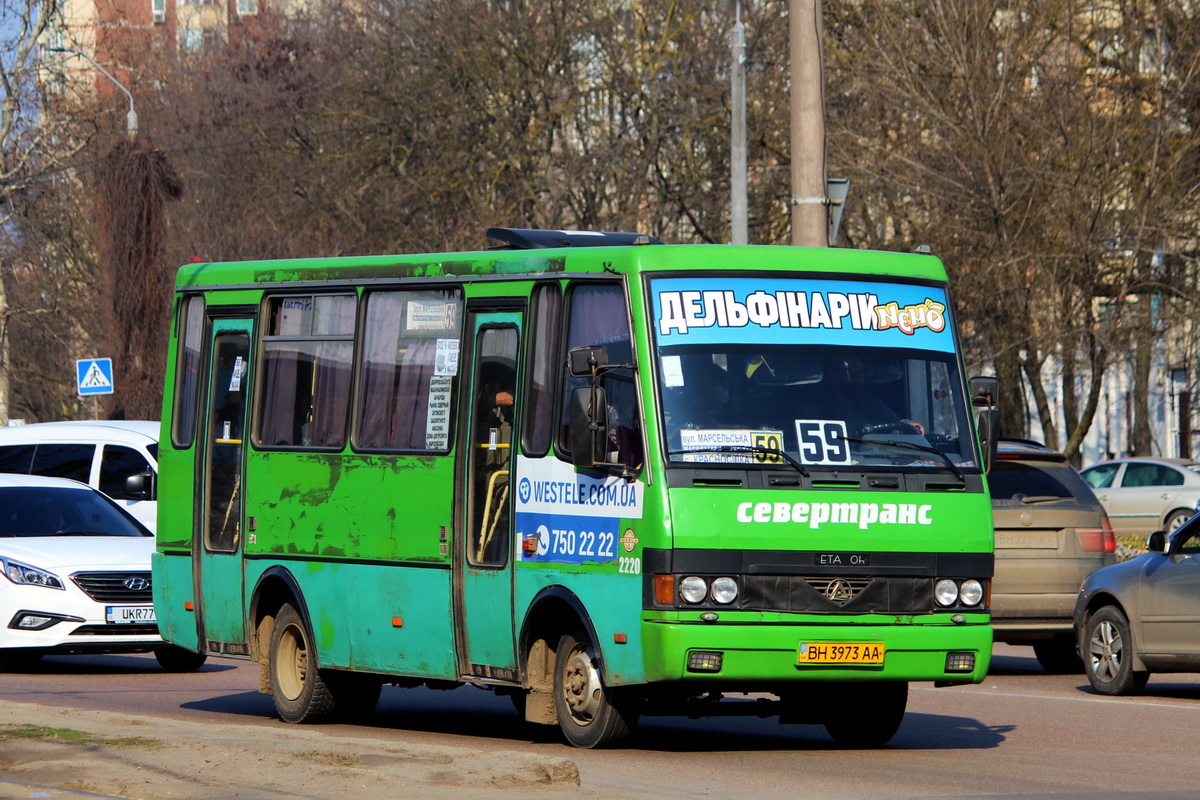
{"x":843,"y":391}
{"x":821,"y":405}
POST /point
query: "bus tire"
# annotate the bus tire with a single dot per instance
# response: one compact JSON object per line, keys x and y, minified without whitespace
{"x":867,"y":714}
{"x":173,"y":658}
{"x":300,"y":693}
{"x":590,"y":714}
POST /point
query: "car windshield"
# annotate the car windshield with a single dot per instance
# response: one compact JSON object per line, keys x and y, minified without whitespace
{"x":34,"y":511}
{"x":817,"y":404}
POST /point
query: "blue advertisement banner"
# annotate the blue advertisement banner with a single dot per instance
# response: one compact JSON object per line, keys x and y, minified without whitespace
{"x":564,"y":539}
{"x":800,"y":311}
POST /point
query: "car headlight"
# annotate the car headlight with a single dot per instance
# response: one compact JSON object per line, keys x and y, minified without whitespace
{"x":971,"y":592}
{"x":26,"y":575}
{"x":945,"y":592}
{"x":693,"y":589}
{"x":724,"y":591}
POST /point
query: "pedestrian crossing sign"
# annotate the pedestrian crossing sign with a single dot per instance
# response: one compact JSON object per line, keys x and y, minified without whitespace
{"x":94,"y":376}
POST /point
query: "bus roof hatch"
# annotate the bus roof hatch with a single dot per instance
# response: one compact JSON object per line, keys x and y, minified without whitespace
{"x":533,"y":238}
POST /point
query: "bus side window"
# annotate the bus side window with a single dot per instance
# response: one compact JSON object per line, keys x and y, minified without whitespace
{"x":187,"y":381}
{"x":542,"y":369}
{"x":306,"y":381}
{"x":597,"y":316}
{"x":409,"y":370}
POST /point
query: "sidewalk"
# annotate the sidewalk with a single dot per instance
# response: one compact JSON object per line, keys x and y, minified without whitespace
{"x":60,"y":753}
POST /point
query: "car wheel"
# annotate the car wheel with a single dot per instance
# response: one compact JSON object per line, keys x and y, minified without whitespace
{"x":1058,"y":657}
{"x":1177,"y":518}
{"x":1108,"y":654}
{"x":178,"y":659}
{"x":299,"y":690}
{"x":590,"y":714}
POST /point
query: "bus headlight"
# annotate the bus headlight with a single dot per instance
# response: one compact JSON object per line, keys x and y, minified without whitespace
{"x":724,"y":591}
{"x":693,"y":589}
{"x":945,"y":592}
{"x":971,"y":592}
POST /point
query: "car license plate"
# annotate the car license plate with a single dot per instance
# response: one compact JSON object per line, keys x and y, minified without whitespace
{"x":840,"y":653}
{"x":126,"y":615}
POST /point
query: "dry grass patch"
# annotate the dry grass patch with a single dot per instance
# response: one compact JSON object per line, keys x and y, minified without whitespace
{"x":44,"y":733}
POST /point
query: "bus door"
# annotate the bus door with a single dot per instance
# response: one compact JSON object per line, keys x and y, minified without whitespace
{"x":483,"y":550}
{"x":217,"y":538}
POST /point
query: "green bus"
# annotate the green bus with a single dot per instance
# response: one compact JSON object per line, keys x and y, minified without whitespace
{"x":606,"y":476}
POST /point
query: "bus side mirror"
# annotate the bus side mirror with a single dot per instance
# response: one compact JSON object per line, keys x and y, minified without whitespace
{"x":140,"y":486}
{"x":984,"y":391}
{"x":584,"y":362}
{"x":589,"y":426}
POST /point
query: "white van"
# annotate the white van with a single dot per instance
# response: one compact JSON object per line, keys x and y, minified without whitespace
{"x":118,"y":457}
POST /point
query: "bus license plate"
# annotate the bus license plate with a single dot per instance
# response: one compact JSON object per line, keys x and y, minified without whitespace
{"x":840,"y":653}
{"x":126,"y":615}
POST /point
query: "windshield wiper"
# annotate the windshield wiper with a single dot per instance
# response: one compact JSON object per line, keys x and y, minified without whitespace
{"x":750,"y":448}
{"x":924,"y":448}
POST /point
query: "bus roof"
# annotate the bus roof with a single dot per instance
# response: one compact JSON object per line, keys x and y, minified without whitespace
{"x":539,"y":261}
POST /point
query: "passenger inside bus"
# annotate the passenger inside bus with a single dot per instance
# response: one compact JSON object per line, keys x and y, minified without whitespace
{"x":491,"y":444}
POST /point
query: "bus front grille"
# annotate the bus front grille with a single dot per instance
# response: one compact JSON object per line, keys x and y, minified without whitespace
{"x":880,"y":594}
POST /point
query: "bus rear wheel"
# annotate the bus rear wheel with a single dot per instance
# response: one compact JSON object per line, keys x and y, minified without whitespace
{"x":867,"y":714}
{"x":300,"y":693}
{"x":590,"y":714}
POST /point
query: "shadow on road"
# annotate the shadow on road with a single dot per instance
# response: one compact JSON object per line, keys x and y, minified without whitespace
{"x":100,"y":665}
{"x":467,"y":711}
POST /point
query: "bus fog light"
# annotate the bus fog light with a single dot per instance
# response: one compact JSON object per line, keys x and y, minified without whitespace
{"x":960,"y":662}
{"x":971,"y":593}
{"x":724,"y":591}
{"x":945,"y":592}
{"x":704,"y":661}
{"x":693,"y":589}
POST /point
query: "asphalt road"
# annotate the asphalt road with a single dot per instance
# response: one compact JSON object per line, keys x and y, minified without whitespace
{"x":1020,"y":734}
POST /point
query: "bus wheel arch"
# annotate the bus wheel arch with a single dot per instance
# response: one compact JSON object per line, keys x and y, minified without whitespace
{"x":553,"y":612}
{"x":562,"y":663}
{"x":275,"y":589}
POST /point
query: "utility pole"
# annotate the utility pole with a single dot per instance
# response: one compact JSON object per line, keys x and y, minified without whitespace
{"x":738,"y":216}
{"x":809,"y":211}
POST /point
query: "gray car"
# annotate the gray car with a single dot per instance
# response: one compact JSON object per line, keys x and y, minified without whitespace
{"x":1051,"y":531}
{"x":1143,"y":616}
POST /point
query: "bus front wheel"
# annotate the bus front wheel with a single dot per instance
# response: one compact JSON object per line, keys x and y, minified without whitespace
{"x":867,"y":714}
{"x":299,"y":691}
{"x":590,"y":714}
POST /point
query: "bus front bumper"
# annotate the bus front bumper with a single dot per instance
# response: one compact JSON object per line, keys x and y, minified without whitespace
{"x":749,"y":654}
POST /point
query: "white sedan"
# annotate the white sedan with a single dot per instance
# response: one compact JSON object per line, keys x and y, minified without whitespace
{"x":1143,"y":495}
{"x":76,"y":575}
